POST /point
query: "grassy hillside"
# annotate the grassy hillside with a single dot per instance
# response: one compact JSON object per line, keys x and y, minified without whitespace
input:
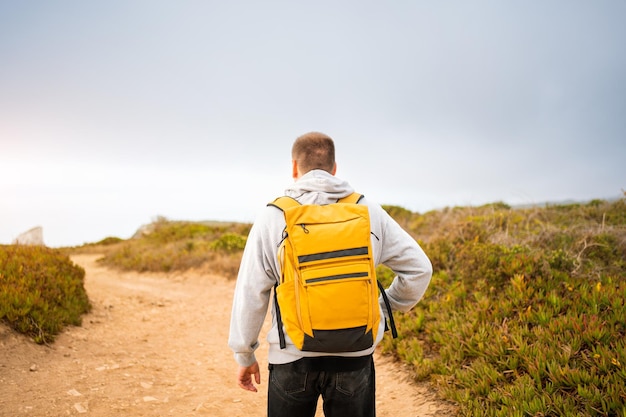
{"x":165,"y":246}
{"x":525,"y":315}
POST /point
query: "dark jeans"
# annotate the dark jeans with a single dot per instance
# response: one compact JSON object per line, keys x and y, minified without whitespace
{"x":295,"y":388}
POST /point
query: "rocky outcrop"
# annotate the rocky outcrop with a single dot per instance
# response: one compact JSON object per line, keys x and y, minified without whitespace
{"x":33,"y":237}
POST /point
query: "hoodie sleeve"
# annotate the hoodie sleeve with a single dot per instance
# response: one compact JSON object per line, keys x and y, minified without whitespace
{"x":404,"y":256}
{"x":255,"y":280}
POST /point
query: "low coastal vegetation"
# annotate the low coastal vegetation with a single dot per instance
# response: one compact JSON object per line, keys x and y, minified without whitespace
{"x":525,"y":315}
{"x":169,"y":246}
{"x":526,"y":312}
{"x":41,"y":291}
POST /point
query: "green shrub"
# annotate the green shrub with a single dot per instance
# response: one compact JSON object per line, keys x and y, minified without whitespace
{"x":41,"y":291}
{"x":111,"y":240}
{"x":229,"y":242}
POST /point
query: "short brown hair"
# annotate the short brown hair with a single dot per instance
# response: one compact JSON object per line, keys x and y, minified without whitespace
{"x":314,"y":150}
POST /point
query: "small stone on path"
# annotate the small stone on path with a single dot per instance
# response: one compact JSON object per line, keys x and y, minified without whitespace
{"x":74,"y":393}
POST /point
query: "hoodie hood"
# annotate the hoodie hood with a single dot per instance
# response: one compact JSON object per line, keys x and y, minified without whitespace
{"x":318,"y":187}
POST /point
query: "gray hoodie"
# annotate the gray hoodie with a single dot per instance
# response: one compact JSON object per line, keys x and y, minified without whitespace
{"x":260,"y":270}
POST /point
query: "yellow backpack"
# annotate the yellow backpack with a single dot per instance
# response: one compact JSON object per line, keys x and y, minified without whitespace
{"x":327,"y":297}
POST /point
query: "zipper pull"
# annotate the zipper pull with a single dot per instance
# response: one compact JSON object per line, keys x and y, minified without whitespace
{"x":304,"y":229}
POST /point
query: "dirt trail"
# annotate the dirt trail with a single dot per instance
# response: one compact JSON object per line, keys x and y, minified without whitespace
{"x":155,"y":345}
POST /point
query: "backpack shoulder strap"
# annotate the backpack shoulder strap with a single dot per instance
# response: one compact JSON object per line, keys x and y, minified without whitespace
{"x":353,"y":198}
{"x":284,"y":202}
{"x":281,"y":203}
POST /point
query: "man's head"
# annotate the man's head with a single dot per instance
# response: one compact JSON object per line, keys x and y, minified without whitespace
{"x":311,"y":151}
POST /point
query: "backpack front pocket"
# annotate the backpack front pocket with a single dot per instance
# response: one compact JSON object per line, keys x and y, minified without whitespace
{"x":339,"y":296}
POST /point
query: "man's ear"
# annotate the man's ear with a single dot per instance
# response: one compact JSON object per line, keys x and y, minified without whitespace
{"x":334,"y":171}
{"x":294,"y":169}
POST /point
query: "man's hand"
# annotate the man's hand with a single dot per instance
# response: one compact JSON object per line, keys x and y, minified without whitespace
{"x":244,"y":377}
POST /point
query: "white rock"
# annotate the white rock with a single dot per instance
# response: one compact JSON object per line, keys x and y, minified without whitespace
{"x":33,"y":237}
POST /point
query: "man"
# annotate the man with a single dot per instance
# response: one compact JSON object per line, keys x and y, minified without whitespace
{"x":346,"y":381}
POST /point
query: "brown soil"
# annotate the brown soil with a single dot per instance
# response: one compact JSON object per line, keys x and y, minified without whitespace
{"x":155,"y":345}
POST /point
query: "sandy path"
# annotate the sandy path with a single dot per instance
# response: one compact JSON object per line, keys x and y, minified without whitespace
{"x":155,"y":345}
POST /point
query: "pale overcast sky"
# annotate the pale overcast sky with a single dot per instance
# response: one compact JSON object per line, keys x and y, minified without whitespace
{"x":115,"y":112}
